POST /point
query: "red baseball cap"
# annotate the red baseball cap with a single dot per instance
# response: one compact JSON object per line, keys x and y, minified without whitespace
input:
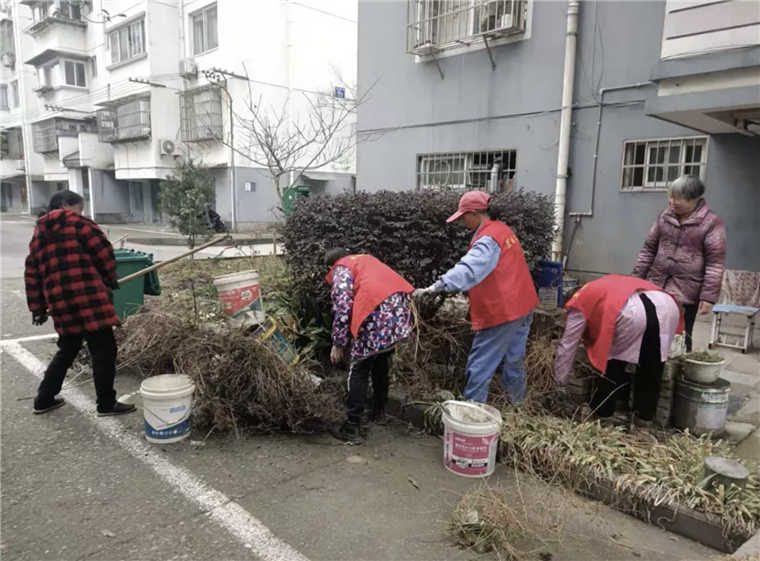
{"x":472,"y":200}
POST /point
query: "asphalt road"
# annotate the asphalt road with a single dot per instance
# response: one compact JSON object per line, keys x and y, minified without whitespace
{"x":77,"y":487}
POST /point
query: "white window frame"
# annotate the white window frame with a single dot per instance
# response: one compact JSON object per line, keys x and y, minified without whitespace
{"x":203,"y":14}
{"x":651,"y":146}
{"x":70,"y":8}
{"x":47,"y":75}
{"x":13,"y":93}
{"x":76,"y":63}
{"x":132,"y":35}
{"x":4,"y":99}
{"x":40,"y":11}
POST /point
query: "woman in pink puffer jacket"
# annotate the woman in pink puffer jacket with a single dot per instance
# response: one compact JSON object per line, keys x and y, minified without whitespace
{"x":685,"y":251}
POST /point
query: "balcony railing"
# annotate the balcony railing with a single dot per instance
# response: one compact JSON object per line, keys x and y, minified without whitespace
{"x":437,"y":25}
{"x":45,"y":134}
{"x":39,"y":26}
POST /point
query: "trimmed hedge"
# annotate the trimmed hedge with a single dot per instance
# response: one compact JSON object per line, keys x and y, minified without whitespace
{"x":405,"y":230}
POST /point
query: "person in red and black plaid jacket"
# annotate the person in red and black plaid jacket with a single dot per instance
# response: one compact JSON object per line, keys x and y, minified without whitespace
{"x":70,"y":273}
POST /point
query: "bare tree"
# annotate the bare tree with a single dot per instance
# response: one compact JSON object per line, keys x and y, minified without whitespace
{"x":287,"y":142}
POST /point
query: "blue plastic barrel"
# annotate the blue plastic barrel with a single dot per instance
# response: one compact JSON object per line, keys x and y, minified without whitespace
{"x":548,"y":280}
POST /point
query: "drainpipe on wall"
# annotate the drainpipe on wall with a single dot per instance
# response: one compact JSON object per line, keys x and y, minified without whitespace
{"x":565,"y":125}
{"x":27,"y":143}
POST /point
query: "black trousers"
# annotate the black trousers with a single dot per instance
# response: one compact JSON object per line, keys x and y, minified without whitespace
{"x":373,"y":368}
{"x":646,"y":391}
{"x":102,"y":346}
{"x":689,"y":317}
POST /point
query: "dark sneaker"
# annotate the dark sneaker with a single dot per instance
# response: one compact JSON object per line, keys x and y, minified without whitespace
{"x":40,"y":408}
{"x":350,"y":433}
{"x":118,"y":409}
{"x":377,"y":416}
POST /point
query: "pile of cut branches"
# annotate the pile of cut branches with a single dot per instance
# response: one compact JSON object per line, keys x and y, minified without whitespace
{"x":644,"y":471}
{"x":241,"y":383}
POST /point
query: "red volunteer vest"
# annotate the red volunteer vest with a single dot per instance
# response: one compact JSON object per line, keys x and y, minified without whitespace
{"x":508,"y":292}
{"x":374,"y":282}
{"x":600,"y":302}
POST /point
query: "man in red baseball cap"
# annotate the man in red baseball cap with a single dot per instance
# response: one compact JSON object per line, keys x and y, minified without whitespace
{"x":502,"y":298}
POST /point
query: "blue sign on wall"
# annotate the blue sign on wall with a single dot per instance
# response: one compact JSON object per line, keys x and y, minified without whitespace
{"x":340,"y":93}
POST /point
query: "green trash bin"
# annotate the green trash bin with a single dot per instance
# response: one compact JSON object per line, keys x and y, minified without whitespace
{"x":131,"y":295}
{"x":291,"y":196}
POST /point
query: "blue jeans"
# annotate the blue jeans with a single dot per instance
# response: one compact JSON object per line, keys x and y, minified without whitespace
{"x":491,"y":347}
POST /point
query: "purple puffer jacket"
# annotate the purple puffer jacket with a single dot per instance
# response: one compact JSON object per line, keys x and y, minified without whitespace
{"x":686,"y":260}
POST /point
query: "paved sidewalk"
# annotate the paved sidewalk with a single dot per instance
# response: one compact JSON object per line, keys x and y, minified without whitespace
{"x":743,"y":372}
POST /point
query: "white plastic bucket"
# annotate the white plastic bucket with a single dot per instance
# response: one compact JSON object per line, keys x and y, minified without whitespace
{"x":240,"y":296}
{"x":470,"y":438}
{"x":167,"y":406}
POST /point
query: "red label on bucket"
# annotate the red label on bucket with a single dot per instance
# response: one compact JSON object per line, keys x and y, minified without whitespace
{"x":468,"y":455}
{"x":236,"y":299}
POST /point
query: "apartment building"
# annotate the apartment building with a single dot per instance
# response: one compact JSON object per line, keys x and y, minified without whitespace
{"x":116,"y":92}
{"x":468,"y":94}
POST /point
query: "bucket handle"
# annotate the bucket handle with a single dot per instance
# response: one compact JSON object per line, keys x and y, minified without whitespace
{"x":472,"y":406}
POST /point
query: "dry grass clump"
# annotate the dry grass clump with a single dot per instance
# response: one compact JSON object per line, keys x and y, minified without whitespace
{"x":641,"y":469}
{"x":241,"y":384}
{"x":434,"y":358}
{"x":499,"y":520}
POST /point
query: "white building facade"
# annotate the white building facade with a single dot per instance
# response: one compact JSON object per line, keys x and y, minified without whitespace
{"x":104,"y":97}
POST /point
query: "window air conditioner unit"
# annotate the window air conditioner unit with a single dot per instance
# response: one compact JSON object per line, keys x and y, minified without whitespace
{"x":188,"y":68}
{"x":8,"y":60}
{"x":169,"y":148}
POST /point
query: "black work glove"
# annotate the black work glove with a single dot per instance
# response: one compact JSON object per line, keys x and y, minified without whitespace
{"x":39,"y":318}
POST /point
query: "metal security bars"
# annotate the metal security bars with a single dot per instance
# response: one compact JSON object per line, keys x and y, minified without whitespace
{"x":45,"y":134}
{"x":436,"y":25}
{"x":651,"y":165}
{"x":492,"y":170}
{"x":201,"y":114}
{"x":11,"y":144}
{"x":126,"y":121}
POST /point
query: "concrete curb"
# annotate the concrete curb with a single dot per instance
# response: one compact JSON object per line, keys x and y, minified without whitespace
{"x":679,"y":520}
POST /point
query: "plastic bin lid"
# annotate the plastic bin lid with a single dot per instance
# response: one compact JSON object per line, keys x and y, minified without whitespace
{"x":123,"y":255}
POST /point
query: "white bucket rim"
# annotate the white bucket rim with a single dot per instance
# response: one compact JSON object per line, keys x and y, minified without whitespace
{"x":186,"y":385}
{"x":232,"y":277}
{"x":494,"y":419}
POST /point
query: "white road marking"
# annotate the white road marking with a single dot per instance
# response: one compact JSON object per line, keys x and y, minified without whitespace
{"x":248,"y":530}
{"x":31,"y":338}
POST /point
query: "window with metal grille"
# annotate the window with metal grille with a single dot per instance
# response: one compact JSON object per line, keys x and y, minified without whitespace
{"x":651,"y":165}
{"x":491,"y":170}
{"x":205,"y":30}
{"x":201,"y":114}
{"x":435,"y":25}
{"x":129,"y":120}
{"x":11,"y":144}
{"x":45,"y":134}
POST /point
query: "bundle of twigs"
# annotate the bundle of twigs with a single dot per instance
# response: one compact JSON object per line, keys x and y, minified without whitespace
{"x":434,"y":358}
{"x":241,"y":384}
{"x":645,"y":472}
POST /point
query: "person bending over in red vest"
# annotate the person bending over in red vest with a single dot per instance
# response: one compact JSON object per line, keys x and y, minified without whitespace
{"x":69,"y":274}
{"x":371,"y":314}
{"x":502,"y":299}
{"x":621,"y":319}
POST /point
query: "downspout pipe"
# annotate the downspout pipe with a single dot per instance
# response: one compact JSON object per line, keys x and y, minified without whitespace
{"x":568,"y":83}
{"x":602,"y":91}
